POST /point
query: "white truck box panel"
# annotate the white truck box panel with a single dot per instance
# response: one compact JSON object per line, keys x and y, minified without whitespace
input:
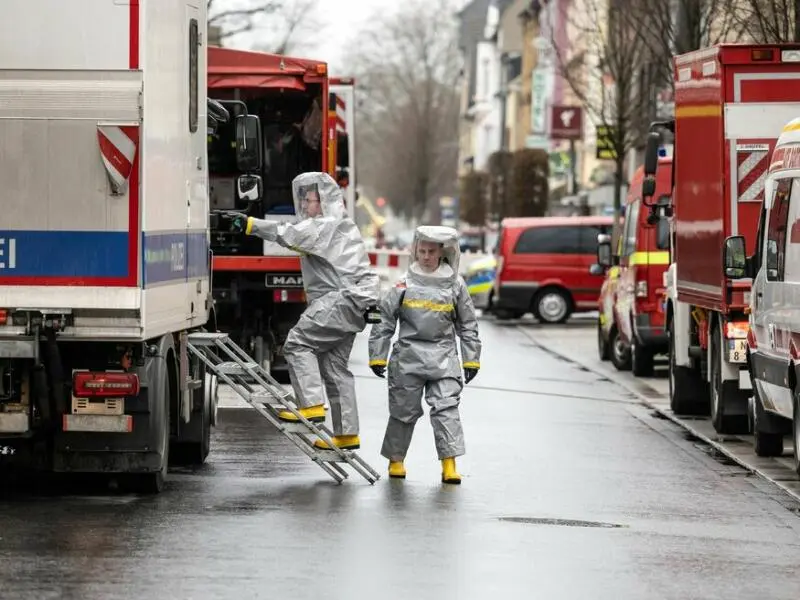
{"x":65,"y":34}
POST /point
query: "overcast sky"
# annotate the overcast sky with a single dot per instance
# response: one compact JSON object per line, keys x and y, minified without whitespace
{"x":343,"y":18}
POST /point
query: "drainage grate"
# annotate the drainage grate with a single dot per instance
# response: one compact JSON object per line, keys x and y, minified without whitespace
{"x":560,"y":522}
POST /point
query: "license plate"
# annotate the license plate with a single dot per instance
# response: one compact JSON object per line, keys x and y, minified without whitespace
{"x":737,"y":351}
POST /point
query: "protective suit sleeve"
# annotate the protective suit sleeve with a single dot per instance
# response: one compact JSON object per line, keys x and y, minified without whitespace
{"x":300,"y":237}
{"x":380,"y":337}
{"x":467,"y":328}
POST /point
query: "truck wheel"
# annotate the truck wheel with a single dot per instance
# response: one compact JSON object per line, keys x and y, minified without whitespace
{"x":552,"y":306}
{"x":641,"y":360}
{"x":765,"y":443}
{"x":153,"y":483}
{"x":721,"y":395}
{"x":687,"y":390}
{"x":603,"y":351}
{"x":620,"y":351}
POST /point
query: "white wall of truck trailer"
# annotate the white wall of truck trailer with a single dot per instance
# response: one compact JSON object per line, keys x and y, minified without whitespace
{"x":104,"y":187}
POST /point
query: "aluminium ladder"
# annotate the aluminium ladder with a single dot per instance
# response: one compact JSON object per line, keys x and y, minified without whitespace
{"x":223,"y":357}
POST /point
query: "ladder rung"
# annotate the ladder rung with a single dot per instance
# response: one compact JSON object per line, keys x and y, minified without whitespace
{"x":204,"y":338}
{"x":232,"y":368}
{"x":329,"y":455}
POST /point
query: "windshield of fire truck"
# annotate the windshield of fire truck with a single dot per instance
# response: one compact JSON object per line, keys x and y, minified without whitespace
{"x":292,"y":143}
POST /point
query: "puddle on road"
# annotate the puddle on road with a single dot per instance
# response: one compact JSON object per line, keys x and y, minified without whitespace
{"x":560,"y":522}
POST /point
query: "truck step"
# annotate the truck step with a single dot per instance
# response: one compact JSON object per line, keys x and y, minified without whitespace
{"x":233,"y":368}
{"x":205,"y":339}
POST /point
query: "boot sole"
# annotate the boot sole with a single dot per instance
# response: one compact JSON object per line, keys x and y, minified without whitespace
{"x":397,"y":476}
{"x":451,"y":481}
{"x":356,"y":447}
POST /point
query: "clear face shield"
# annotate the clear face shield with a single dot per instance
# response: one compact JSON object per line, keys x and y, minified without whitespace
{"x":434,"y":246}
{"x":308,"y":201}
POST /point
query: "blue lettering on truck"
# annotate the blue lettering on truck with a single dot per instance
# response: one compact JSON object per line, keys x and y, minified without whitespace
{"x":172,"y":257}
{"x":64,"y":253}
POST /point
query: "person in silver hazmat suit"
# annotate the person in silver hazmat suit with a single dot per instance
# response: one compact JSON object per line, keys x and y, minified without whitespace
{"x":340,"y":287}
{"x":433,"y":307}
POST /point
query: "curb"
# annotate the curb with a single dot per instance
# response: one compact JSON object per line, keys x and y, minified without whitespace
{"x":644,"y":400}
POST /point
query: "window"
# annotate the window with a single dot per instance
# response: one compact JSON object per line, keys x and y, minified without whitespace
{"x":549,"y":240}
{"x":662,"y":225}
{"x":776,"y":230}
{"x":194,"y":42}
{"x":587,"y":242}
{"x":629,"y":231}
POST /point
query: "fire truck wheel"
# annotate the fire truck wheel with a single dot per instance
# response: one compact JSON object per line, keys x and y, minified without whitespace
{"x":153,"y":483}
{"x":641,"y":360}
{"x":620,"y":351}
{"x":603,"y":350}
{"x":687,"y":390}
{"x":721,"y":394}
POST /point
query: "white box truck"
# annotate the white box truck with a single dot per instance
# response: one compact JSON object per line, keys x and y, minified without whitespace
{"x":104,"y":235}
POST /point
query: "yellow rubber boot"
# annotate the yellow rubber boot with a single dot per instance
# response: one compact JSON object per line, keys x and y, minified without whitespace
{"x":449,"y":473}
{"x":345,"y":442}
{"x":397,"y":469}
{"x":312,"y":413}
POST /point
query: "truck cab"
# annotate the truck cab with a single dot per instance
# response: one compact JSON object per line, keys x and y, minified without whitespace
{"x":642,"y":257}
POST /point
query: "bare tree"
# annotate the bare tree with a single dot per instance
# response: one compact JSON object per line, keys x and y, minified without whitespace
{"x":610,"y":75}
{"x":670,"y":27}
{"x":770,"y":21}
{"x":407,"y":69}
{"x":282,"y":23}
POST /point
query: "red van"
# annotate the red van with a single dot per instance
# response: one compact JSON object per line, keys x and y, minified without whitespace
{"x":643,"y":257}
{"x":543,"y":267}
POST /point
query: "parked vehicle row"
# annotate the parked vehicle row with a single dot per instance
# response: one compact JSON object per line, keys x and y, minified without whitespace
{"x":724,"y":213}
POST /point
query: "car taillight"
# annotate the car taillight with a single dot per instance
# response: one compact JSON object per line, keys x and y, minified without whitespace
{"x":279,"y":296}
{"x":641,"y":289}
{"x":3,"y":316}
{"x":736,"y":330}
{"x":89,"y":384}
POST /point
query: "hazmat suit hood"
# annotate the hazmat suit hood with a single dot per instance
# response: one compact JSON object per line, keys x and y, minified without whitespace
{"x":324,"y":187}
{"x":447,"y":238}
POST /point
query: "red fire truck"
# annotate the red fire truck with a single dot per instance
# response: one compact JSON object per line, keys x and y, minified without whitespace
{"x":307,"y":120}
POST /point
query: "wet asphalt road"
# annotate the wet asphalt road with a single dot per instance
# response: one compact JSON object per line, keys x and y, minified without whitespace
{"x":571,"y":490}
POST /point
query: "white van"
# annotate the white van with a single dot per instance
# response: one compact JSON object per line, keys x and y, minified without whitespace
{"x":773,"y":339}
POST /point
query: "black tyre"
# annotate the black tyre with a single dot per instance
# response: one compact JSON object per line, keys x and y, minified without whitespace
{"x":688,"y":393}
{"x":552,"y":306}
{"x":620,"y":351}
{"x":721,"y":395}
{"x":642,"y":360}
{"x":603,"y":350}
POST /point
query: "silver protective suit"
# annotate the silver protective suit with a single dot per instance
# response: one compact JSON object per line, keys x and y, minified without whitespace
{"x":432,"y":309}
{"x":340,"y":286}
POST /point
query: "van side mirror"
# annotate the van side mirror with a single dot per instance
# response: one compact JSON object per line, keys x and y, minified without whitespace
{"x":734,"y":258}
{"x":249,"y":188}
{"x":648,"y":189}
{"x":604,"y":254}
{"x":597,"y":269}
{"x":248,"y":143}
{"x":651,"y":153}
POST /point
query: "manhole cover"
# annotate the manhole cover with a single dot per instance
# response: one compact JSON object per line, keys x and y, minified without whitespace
{"x":560,"y":522}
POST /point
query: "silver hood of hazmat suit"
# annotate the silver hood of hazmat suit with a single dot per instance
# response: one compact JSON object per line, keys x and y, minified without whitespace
{"x":433,"y":309}
{"x":340,"y":285}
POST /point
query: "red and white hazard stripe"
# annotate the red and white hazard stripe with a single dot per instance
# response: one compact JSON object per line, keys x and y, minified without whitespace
{"x":752,"y":164}
{"x":341,"y":117}
{"x":118,"y":145}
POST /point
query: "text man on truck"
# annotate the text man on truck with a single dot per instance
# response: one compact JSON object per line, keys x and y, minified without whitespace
{"x":730,"y":104}
{"x":104,"y":184}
